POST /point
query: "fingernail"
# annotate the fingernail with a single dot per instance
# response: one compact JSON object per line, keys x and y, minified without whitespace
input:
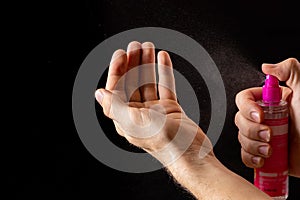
{"x":99,"y":96}
{"x":265,"y":150}
{"x":147,"y":45}
{"x":265,"y":135}
{"x":255,"y":116}
{"x":256,"y":160}
{"x":134,"y":45}
{"x":118,"y":53}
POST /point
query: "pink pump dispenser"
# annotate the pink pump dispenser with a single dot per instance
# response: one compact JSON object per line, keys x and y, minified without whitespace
{"x":272,"y":177}
{"x":271,"y":92}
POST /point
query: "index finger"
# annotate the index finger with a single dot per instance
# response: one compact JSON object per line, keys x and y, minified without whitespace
{"x":246,"y":103}
{"x":117,"y":68}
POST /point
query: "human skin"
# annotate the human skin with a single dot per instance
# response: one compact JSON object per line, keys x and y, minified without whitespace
{"x":178,"y":143}
{"x":253,"y":134}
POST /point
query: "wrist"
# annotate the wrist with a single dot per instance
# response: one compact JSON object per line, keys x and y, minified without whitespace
{"x":189,"y":146}
{"x":199,"y":157}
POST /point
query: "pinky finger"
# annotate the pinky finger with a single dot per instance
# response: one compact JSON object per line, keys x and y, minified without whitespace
{"x":250,"y":160}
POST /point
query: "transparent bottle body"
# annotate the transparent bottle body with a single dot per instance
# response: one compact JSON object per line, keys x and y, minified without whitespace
{"x":276,"y":111}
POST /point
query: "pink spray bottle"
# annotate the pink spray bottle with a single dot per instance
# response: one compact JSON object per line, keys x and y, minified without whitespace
{"x":272,"y":178}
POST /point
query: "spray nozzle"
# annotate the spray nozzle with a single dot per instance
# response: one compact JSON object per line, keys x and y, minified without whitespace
{"x":271,"y":92}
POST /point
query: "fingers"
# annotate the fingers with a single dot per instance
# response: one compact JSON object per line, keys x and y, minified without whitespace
{"x":147,"y":73}
{"x":252,"y":130}
{"x":246,"y":103}
{"x":117,"y":68}
{"x":254,"y":147}
{"x":254,"y":138}
{"x":141,"y":54}
{"x":132,"y":76}
{"x":250,"y":160}
{"x":287,"y":70}
{"x":166,"y":85}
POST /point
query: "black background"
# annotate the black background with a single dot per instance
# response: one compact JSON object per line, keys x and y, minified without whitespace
{"x":239,"y":36}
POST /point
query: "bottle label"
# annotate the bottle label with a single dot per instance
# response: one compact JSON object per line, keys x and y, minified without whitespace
{"x":272,"y":178}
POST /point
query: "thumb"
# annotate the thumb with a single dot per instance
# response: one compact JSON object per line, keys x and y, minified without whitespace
{"x":287,"y":70}
{"x":104,"y":98}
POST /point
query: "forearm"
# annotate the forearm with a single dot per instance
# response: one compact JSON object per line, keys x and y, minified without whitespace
{"x":208,"y":179}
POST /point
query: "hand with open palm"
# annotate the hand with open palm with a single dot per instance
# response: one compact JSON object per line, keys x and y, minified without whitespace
{"x":147,"y":114}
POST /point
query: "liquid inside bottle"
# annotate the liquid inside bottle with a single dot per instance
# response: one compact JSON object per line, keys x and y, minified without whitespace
{"x":272,"y":178}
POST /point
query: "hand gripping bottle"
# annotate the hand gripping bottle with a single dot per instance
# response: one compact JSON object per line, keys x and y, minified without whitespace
{"x":272,"y":178}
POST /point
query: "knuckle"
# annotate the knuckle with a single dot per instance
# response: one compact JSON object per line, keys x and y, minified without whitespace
{"x":236,"y":118}
{"x":246,"y":159}
{"x":293,"y":64}
{"x":237,"y":98}
{"x":246,"y":145}
{"x":292,"y":61}
{"x":148,"y":53}
{"x":248,"y":130}
{"x":240,"y":138}
{"x":107,"y":111}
